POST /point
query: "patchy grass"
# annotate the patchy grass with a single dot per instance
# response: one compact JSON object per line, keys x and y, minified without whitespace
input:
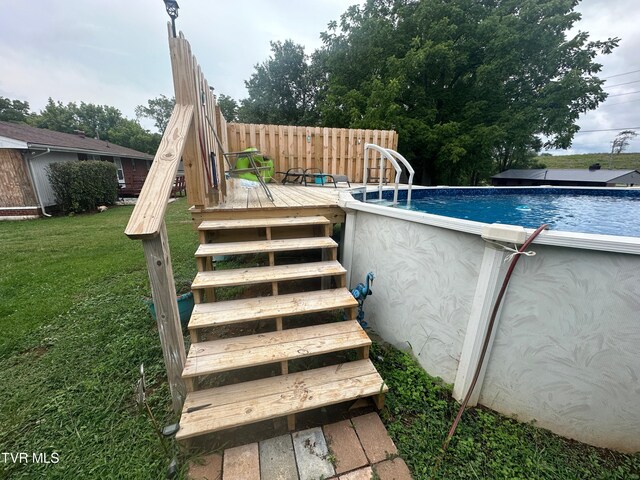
{"x":419,"y":411}
{"x":621,"y":161}
{"x":75,"y":330}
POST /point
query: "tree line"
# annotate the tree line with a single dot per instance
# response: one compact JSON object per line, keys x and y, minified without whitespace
{"x":96,"y":121}
{"x":472,"y":86}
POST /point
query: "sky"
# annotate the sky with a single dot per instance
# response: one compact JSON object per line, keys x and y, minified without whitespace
{"x":115,"y":52}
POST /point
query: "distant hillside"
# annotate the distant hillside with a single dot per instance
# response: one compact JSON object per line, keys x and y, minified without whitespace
{"x":621,"y":161}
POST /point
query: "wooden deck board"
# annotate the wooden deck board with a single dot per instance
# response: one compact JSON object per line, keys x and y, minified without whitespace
{"x":285,"y":196}
{"x":247,"y":276}
{"x":243,"y":248}
{"x":249,"y":402}
{"x":262,"y":222}
{"x":253,"y":350}
{"x":262,"y":308}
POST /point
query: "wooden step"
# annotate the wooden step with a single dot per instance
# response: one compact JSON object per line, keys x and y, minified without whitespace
{"x":264,"y":246}
{"x":262,"y":223}
{"x":216,"y":356}
{"x":262,"y":308}
{"x":247,"y":276}
{"x":230,"y":406}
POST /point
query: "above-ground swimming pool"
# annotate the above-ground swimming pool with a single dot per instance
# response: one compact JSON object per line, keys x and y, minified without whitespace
{"x":583,"y":210}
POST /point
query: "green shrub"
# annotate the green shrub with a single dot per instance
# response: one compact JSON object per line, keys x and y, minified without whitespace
{"x":82,"y":186}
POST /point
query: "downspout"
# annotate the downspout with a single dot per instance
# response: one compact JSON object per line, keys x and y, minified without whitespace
{"x":33,"y":182}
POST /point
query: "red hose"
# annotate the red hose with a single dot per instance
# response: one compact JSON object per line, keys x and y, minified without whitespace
{"x":485,"y":344}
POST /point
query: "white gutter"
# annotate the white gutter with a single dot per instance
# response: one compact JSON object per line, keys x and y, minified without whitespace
{"x":30,"y":157}
{"x":38,"y":146}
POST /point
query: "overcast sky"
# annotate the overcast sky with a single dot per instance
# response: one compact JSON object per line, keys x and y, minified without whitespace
{"x":115,"y":52}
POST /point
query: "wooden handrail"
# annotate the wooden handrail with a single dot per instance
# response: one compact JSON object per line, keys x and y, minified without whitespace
{"x":148,"y":214}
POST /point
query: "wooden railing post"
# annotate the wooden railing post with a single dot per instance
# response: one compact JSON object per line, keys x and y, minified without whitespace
{"x":163,"y":290}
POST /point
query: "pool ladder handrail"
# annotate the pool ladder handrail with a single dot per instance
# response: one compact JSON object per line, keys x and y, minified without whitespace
{"x":392,"y":156}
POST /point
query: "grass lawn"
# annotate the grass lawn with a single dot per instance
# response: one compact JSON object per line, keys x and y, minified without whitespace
{"x":75,"y":330}
{"x":419,"y":412}
{"x":622,"y":161}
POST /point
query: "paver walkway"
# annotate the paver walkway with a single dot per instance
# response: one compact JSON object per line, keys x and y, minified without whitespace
{"x":356,"y":449}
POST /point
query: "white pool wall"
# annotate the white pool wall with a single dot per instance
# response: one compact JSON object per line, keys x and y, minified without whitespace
{"x":566,"y":349}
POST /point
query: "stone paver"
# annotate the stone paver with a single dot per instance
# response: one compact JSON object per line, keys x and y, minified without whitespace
{"x":311,"y":454}
{"x":344,"y":445}
{"x":361,"y":474}
{"x":374,"y":437}
{"x":394,"y":469}
{"x":277,"y":460}
{"x":241,"y":463}
{"x":208,"y":467}
{"x":354,"y":445}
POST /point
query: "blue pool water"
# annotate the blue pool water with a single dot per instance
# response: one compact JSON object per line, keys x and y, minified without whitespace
{"x":573,"y":210}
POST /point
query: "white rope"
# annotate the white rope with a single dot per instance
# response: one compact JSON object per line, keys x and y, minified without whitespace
{"x":514,"y":251}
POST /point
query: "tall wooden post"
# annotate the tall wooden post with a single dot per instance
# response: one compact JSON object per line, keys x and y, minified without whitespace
{"x":163,"y":290}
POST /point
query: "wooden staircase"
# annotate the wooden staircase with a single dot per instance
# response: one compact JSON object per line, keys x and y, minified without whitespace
{"x":212,"y":409}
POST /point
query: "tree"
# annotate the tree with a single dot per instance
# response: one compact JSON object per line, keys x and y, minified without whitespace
{"x":281,"y":90}
{"x":97,"y":121}
{"x":622,"y":140}
{"x":13,"y":110}
{"x":470,"y":86}
{"x":228,"y":107}
{"x":129,"y":133}
{"x":158,"y":109}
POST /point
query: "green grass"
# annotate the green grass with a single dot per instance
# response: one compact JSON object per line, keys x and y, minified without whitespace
{"x":419,"y":411}
{"x":622,"y":161}
{"x":75,"y":330}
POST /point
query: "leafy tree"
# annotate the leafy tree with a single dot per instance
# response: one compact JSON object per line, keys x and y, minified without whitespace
{"x":13,"y":110}
{"x":97,"y":121}
{"x":129,"y":133}
{"x":281,"y":91}
{"x":622,"y":140}
{"x":471,"y":86}
{"x":157,"y":109}
{"x":228,"y":107}
{"x":57,"y":116}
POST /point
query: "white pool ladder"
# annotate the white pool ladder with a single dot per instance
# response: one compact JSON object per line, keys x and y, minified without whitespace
{"x":393,"y":157}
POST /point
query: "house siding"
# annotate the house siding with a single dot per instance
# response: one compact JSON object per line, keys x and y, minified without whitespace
{"x":39,"y":168}
{"x":15,"y":186}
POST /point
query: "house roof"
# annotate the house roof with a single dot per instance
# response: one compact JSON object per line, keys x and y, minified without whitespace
{"x":566,"y":175}
{"x":43,"y":138}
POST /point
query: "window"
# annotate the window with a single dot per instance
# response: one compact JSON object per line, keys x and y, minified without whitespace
{"x":118,"y":163}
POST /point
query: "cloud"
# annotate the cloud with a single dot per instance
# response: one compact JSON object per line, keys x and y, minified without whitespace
{"x":115,"y":52}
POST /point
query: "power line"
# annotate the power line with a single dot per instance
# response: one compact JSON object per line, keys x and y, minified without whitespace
{"x":608,"y":130}
{"x":621,"y":84}
{"x":621,"y":74}
{"x":613,"y":105}
{"x":621,"y":94}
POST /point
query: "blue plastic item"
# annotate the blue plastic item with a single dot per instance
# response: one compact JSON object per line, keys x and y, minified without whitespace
{"x":185,"y":307}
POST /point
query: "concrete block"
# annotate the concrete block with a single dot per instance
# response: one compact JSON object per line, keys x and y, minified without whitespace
{"x":241,"y":463}
{"x":344,"y":445}
{"x":277,"y":460}
{"x":361,"y":474}
{"x":394,"y":469}
{"x":312,"y":454}
{"x":208,"y":467}
{"x":374,"y":437}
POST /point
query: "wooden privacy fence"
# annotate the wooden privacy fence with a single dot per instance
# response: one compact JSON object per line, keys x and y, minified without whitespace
{"x":337,"y":151}
{"x":203,"y":161}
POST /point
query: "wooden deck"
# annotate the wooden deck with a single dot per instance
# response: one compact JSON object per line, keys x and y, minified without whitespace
{"x":288,"y":201}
